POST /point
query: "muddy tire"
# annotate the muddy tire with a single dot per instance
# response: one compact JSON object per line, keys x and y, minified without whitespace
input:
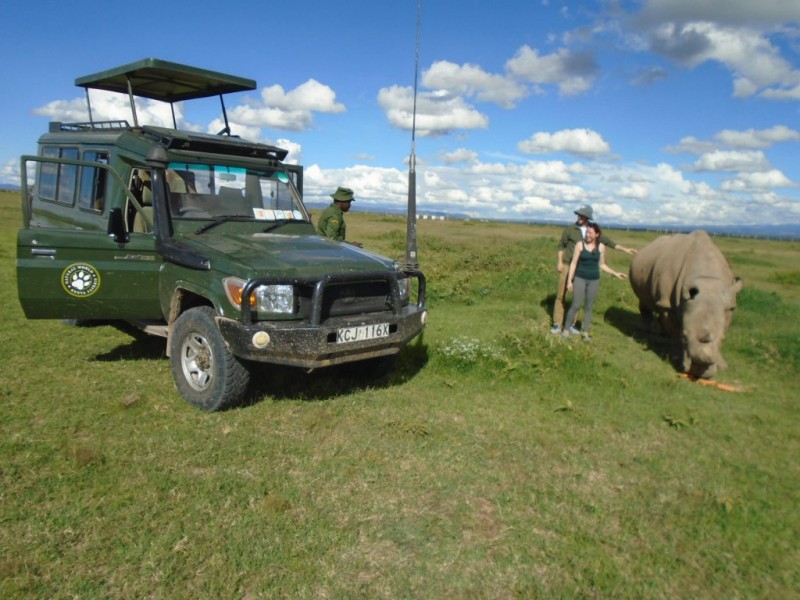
{"x":206,"y":374}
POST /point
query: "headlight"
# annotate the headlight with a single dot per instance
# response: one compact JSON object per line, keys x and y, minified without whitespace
{"x":405,"y":284}
{"x":277,"y":299}
{"x":405,"y":289}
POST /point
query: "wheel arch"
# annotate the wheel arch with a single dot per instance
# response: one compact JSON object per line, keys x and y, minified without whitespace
{"x":182,"y":300}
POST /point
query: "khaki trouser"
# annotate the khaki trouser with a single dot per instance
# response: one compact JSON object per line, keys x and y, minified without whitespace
{"x":561,"y":302}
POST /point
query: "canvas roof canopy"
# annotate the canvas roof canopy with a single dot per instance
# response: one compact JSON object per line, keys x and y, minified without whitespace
{"x":165,"y":81}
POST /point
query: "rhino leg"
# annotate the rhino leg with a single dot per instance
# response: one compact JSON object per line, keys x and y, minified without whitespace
{"x":686,"y":362}
{"x":646,"y":314}
{"x":668,"y":325}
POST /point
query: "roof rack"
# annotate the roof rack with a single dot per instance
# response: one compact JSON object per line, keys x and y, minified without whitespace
{"x":165,"y":81}
{"x":92,"y":125}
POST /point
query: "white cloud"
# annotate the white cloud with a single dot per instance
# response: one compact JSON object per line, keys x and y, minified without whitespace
{"x":673,"y":178}
{"x":691,"y":145}
{"x":744,"y":12}
{"x":634,"y":191}
{"x":762,"y":180}
{"x":611,"y":211}
{"x":246,"y":132}
{"x":553,"y":171}
{"x":535,"y":204}
{"x":437,"y":112}
{"x":295,"y":156}
{"x":111,"y":106}
{"x":636,"y":194}
{"x":749,"y":139}
{"x":292,"y":111}
{"x":310,"y":96}
{"x":10,"y":173}
{"x":573,"y":72}
{"x":472,"y":81}
{"x":757,"y":138}
{"x":735,"y":160}
{"x":581,"y":142}
{"x":756,"y":64}
{"x":461,"y":155}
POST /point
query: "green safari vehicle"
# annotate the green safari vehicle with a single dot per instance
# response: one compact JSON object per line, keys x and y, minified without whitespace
{"x":202,"y":239}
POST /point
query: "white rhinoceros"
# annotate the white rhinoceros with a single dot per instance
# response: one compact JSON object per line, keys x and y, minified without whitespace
{"x":686,"y":280}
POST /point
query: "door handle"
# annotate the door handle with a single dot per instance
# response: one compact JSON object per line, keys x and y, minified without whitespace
{"x":50,"y":252}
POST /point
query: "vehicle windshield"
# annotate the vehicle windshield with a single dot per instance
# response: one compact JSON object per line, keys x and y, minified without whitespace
{"x":211,"y":192}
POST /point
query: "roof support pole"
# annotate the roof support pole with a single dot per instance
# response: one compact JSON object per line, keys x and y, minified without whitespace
{"x":89,"y":106}
{"x":133,"y":104}
{"x":227,"y":129}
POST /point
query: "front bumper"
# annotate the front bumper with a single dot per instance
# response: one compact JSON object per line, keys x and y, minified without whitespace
{"x":312,"y":343}
{"x":312,"y":346}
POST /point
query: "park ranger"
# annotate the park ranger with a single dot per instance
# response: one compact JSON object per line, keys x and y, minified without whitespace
{"x":331,"y":221}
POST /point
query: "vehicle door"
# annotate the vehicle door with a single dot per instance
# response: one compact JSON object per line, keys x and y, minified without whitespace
{"x":68,"y":266}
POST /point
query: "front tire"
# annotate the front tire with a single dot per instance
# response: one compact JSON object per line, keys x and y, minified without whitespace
{"x":206,"y":374}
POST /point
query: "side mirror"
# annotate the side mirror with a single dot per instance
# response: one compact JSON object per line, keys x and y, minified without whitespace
{"x":116,"y":226}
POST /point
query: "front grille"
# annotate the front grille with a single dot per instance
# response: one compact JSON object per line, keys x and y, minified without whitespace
{"x":338,"y":294}
{"x":341,"y":300}
{"x":355,"y":298}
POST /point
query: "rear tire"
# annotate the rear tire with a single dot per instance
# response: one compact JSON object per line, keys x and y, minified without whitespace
{"x":206,"y":374}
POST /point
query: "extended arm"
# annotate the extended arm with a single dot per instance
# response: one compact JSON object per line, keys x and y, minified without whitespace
{"x":606,"y":268}
{"x":625,"y":250}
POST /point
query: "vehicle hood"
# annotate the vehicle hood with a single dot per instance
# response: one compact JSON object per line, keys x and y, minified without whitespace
{"x":248,"y":255}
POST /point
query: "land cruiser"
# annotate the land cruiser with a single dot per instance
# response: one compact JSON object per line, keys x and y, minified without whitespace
{"x":202,"y":239}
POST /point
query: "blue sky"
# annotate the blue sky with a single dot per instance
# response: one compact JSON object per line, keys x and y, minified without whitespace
{"x":658,"y":112}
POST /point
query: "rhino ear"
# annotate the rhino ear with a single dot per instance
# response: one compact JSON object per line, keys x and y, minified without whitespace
{"x":737,"y":285}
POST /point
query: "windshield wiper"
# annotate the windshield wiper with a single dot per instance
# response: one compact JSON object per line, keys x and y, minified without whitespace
{"x":219,"y":220}
{"x":280,"y":223}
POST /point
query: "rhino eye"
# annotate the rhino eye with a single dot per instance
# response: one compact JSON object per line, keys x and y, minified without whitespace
{"x":693,"y":292}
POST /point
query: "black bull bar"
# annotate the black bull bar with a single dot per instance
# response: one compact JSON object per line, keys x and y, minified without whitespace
{"x":320,"y":283}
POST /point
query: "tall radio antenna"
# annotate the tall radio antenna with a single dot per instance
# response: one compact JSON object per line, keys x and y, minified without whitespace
{"x":411,"y":218}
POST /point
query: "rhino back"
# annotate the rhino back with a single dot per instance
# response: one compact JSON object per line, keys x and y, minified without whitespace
{"x":657,"y":270}
{"x":705,"y":260}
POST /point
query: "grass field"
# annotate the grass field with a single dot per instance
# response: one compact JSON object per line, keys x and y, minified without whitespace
{"x":497,"y":461}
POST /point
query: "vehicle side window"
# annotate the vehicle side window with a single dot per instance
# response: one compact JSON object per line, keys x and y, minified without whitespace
{"x":57,"y":182}
{"x":92,"y":193}
{"x":48,"y":175}
{"x":141,"y":187}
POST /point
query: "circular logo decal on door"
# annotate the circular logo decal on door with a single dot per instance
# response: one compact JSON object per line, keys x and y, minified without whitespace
{"x":80,"y":280}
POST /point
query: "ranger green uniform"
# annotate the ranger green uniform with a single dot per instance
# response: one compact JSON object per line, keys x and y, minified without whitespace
{"x":331,"y":222}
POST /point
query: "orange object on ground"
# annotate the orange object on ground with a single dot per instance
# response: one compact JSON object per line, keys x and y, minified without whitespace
{"x":722,"y":386}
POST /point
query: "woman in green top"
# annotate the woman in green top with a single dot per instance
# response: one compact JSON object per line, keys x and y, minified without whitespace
{"x":584,"y":277}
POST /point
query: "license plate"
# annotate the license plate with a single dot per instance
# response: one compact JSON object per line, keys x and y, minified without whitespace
{"x":362,"y":333}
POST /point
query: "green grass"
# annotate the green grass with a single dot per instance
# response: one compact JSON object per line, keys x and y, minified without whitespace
{"x":496,"y":462}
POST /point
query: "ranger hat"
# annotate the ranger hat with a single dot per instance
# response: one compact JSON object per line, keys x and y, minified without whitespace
{"x":585,"y":211}
{"x":343,"y":194}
